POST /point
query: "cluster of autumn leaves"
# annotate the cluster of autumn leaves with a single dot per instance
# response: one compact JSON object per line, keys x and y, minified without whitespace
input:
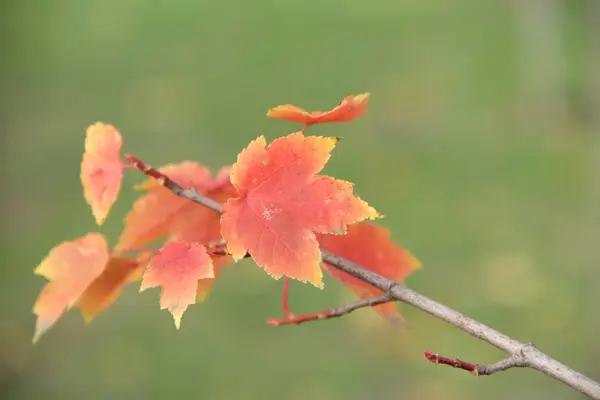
{"x":275,"y":207}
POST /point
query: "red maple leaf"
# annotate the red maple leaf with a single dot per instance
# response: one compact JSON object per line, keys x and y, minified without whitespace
{"x":282,"y":202}
{"x":102,"y":169}
{"x":349,"y":108}
{"x":70,"y":267}
{"x":370,"y":246}
{"x":177,"y":268}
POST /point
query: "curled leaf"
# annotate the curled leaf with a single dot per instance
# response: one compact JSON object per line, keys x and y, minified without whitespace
{"x":102,"y":169}
{"x":282,"y":202}
{"x":370,"y":246}
{"x":105,"y":289}
{"x":349,"y":108}
{"x":177,"y":268}
{"x":70,"y":267}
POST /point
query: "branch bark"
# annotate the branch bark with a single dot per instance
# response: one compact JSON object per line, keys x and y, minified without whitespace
{"x":527,"y":355}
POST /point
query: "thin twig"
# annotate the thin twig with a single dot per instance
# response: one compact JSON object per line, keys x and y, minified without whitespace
{"x":173,"y":186}
{"x":292,"y":319}
{"x":476,"y":369}
{"x":530,"y":355}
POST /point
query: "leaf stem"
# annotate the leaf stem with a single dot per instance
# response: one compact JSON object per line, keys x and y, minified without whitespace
{"x":304,"y":127}
{"x":284,"y":298}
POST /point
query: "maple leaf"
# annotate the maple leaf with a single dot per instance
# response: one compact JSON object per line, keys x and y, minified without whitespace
{"x":160,"y":213}
{"x":203,"y":226}
{"x":105,"y":289}
{"x":282,"y":202}
{"x":349,"y":108}
{"x":177,"y":268}
{"x":102,"y":169}
{"x":70,"y":267}
{"x":370,"y":246}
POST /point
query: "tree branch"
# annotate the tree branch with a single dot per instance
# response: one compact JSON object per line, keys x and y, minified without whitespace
{"x":179,"y":190}
{"x":526,"y":354}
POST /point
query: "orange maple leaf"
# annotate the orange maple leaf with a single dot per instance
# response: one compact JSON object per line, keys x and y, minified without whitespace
{"x":105,"y":289}
{"x":282,"y":202}
{"x":370,"y":246}
{"x":102,"y":169}
{"x":160,"y":213}
{"x":70,"y":267}
{"x":177,"y":268}
{"x":349,"y":108}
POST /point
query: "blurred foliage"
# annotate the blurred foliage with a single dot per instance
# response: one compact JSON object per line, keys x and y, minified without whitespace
{"x":495,"y":195}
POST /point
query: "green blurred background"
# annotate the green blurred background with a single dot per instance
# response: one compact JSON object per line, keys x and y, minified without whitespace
{"x":481,"y":146}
